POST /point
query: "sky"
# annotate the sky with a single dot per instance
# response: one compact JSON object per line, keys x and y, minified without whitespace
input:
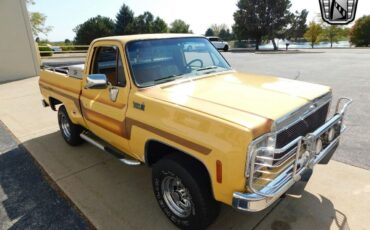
{"x":65,"y":15}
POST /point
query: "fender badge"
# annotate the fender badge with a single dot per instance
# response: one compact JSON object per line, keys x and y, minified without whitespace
{"x":139,"y":106}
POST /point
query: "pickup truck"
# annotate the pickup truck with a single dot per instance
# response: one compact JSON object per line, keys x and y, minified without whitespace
{"x":210,"y":134}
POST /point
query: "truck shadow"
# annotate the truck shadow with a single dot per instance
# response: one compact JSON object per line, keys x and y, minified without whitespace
{"x":112,"y":195}
{"x":307,"y":211}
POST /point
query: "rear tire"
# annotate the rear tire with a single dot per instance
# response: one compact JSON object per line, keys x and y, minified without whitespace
{"x":226,"y":48}
{"x":183,"y":193}
{"x":70,"y":132}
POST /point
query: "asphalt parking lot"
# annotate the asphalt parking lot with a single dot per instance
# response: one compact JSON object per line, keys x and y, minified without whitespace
{"x":27,"y":200}
{"x":347,"y":71}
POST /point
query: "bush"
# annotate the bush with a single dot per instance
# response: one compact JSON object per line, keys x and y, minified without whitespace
{"x":69,"y":48}
{"x":44,"y":49}
{"x":360,"y":32}
{"x":72,"y":47}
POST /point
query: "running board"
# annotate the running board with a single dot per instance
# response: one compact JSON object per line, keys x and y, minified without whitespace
{"x":109,"y":150}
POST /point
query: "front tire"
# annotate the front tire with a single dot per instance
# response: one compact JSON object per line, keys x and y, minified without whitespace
{"x":70,"y":132}
{"x":226,"y":48}
{"x":183,"y":193}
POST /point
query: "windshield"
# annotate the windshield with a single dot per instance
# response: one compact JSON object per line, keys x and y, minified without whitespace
{"x":157,"y":61}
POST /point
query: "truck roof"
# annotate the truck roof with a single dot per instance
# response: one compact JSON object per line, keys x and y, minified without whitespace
{"x":128,"y":38}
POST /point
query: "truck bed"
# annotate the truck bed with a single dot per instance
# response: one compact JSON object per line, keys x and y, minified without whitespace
{"x":58,"y":87}
{"x":75,"y":71}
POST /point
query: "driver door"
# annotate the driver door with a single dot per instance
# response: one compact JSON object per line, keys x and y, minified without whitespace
{"x":104,"y":109}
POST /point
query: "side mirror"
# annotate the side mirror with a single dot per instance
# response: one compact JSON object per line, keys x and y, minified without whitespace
{"x":96,"y":81}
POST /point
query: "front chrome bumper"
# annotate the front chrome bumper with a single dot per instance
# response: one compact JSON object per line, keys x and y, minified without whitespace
{"x":258,"y":200}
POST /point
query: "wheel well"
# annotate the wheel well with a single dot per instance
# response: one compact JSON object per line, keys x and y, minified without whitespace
{"x":53,"y":102}
{"x":155,"y":151}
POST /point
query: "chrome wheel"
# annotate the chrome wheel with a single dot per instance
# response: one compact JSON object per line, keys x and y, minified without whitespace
{"x":65,"y":126}
{"x":176,"y":196}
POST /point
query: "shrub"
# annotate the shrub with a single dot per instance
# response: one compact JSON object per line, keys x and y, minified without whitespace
{"x":43,"y":50}
{"x":360,"y":32}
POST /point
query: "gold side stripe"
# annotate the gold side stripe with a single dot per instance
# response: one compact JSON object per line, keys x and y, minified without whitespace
{"x":124,"y":128}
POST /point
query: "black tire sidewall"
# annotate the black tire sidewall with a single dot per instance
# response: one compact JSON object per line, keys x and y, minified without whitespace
{"x":75,"y":130}
{"x":198,"y":216}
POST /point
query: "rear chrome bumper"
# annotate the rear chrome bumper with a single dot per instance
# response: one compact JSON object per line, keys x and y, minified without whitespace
{"x":259,"y":200}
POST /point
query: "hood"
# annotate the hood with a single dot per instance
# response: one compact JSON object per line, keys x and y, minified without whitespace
{"x":252,"y":101}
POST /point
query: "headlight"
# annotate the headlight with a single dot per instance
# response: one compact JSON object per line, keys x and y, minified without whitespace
{"x":264,"y":148}
{"x":319,"y":146}
{"x":331,"y":134}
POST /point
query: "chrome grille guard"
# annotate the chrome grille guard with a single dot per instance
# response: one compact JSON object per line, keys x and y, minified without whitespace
{"x":260,"y":198}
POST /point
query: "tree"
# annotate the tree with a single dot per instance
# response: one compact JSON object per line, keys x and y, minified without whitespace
{"x":217,"y":28}
{"x":313,"y":33}
{"x":143,"y":24}
{"x":210,"y":32}
{"x":67,"y":41}
{"x":38,"y":20}
{"x":93,"y":28}
{"x":179,"y":26}
{"x":256,"y":19}
{"x":298,"y":25}
{"x":225,"y":34}
{"x":360,"y":32}
{"x":124,"y":20}
{"x":333,"y":33}
{"x":159,"y":26}
{"x":346,"y":32}
{"x":38,"y":24}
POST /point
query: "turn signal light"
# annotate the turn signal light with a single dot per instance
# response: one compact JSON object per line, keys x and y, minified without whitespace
{"x":219,"y":171}
{"x":331,"y":134}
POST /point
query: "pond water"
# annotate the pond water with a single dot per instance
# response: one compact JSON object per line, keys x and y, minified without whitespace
{"x":305,"y":45}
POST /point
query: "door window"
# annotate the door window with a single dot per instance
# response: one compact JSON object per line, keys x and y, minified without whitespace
{"x":215,"y":39}
{"x":108,"y":61}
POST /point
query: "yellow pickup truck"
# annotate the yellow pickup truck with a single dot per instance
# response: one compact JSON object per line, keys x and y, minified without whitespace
{"x":210,"y":134}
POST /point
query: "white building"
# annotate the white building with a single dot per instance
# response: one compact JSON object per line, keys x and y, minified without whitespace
{"x":18,"y":58}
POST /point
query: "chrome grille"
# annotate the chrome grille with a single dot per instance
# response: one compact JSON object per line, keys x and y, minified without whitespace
{"x":267,"y":179}
{"x":301,"y":128}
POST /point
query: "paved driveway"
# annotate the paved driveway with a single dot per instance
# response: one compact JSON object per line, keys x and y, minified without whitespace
{"x":347,"y":71}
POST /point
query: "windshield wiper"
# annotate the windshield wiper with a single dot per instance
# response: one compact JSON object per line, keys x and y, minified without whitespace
{"x":207,"y":68}
{"x":168,"y":78}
